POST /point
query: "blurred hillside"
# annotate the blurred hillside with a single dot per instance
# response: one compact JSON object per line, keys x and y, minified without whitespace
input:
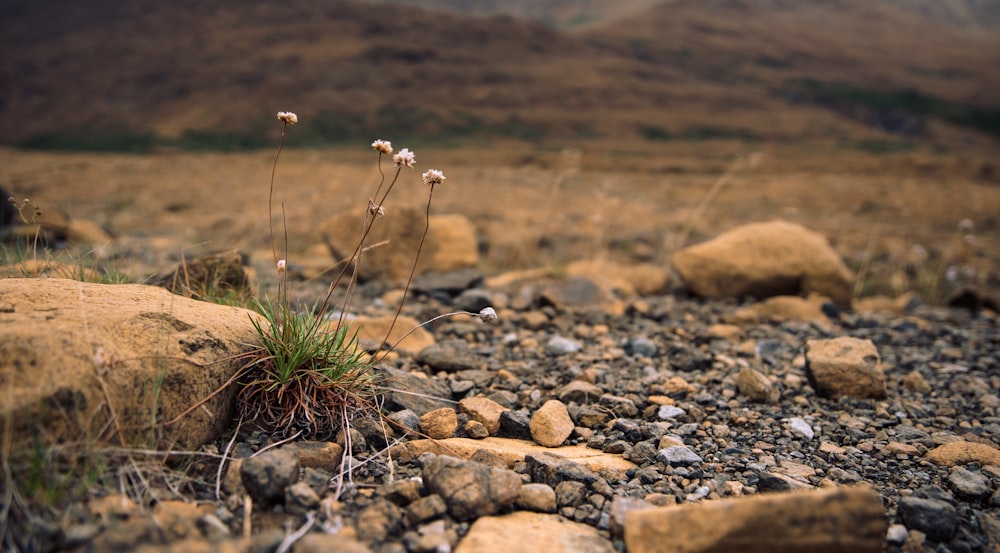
{"x":143,"y":74}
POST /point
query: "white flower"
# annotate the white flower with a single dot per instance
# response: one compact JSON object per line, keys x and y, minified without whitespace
{"x":281,"y":265}
{"x":404,"y":158}
{"x":488,"y":315}
{"x":433,"y":176}
{"x":288,"y":117}
{"x":382,"y":146}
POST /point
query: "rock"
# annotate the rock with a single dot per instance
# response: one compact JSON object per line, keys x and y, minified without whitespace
{"x":845,"y":367}
{"x":405,"y":419}
{"x":969,"y":484}
{"x":439,"y":423}
{"x":915,"y":382}
{"x":435,"y":537}
{"x":448,"y":284}
{"x":471,"y":490}
{"x":551,"y":424}
{"x":373,"y":330}
{"x":579,"y":391}
{"x":409,"y":391}
{"x":611,"y":467}
{"x":777,"y":482}
{"x":300,"y":499}
{"x":963,"y":453}
{"x":267,"y":475}
{"x":378,"y":521}
{"x":666,"y":412}
{"x":570,"y":493}
{"x":540,"y":498}
{"x":800,"y":427}
{"x":836,"y":520}
{"x":475,"y":430}
{"x":515,"y":424}
{"x":87,"y":232}
{"x":579,"y":293}
{"x":485,"y":411}
{"x":620,"y":509}
{"x":629,"y":279}
{"x":896,"y":534}
{"x":764,"y":260}
{"x":641,"y":346}
{"x":474,"y":300}
{"x":756,"y":386}
{"x":318,"y":455}
{"x":792,"y":308}
{"x":209,"y":276}
{"x":937,"y":519}
{"x":91,"y":345}
{"x":425,"y":508}
{"x":450,"y":243}
{"x":560,"y":345}
{"x":534,"y":532}
{"x":678,"y":456}
{"x":444,"y":357}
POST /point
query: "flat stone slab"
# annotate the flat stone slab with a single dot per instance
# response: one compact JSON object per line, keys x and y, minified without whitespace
{"x":610,"y":466}
{"x":524,"y":532}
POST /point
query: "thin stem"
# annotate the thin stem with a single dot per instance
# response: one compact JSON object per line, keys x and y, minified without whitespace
{"x":413,"y":269}
{"x":270,"y":192}
{"x":423,"y":324}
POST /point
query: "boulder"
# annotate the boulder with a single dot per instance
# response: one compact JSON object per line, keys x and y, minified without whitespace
{"x":764,"y":260}
{"x":832,"y":520}
{"x":77,"y":358}
{"x":450,"y":244}
{"x":845,"y":366}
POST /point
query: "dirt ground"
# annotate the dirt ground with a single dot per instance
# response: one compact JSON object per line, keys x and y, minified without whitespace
{"x":895,"y":217}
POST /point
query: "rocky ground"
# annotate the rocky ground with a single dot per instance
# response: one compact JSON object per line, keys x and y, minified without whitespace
{"x":630,"y":397}
{"x":578,"y":409}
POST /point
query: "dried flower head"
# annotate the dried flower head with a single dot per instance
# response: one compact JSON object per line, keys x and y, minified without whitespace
{"x":488,"y":315}
{"x":404,"y":158}
{"x":288,"y":117}
{"x":966,"y":226}
{"x":382,"y":146}
{"x":281,"y":265}
{"x":375,"y":209}
{"x":433,"y":176}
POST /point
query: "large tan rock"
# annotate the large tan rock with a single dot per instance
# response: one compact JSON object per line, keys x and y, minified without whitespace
{"x":763,"y":260}
{"x":407,"y":335}
{"x":845,"y":366}
{"x":960,"y":453}
{"x":79,"y":359}
{"x":848,"y":520}
{"x":451,"y":242}
{"x":523,"y":532}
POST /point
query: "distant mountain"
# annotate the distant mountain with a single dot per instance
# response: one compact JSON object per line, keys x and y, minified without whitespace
{"x":112,"y":74}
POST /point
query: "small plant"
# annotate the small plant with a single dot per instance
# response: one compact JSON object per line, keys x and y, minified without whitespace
{"x":309,"y":374}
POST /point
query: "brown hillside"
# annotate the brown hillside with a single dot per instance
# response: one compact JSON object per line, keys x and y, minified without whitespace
{"x":687,"y":68}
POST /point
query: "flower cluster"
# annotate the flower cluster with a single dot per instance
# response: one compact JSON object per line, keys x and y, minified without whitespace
{"x":404,"y":158}
{"x":288,"y":117}
{"x":433,"y":176}
{"x":382,"y":146}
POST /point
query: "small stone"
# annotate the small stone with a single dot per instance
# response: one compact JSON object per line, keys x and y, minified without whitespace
{"x":515,"y":424}
{"x":896,"y":534}
{"x":483,"y":410}
{"x":318,"y":455}
{"x":641,"y":346}
{"x":579,"y":391}
{"x":800,"y":427}
{"x":406,"y":418}
{"x":540,"y":498}
{"x":377,"y":521}
{"x":937,"y":519}
{"x":669,"y":412}
{"x":300,"y":498}
{"x":439,"y":423}
{"x":471,"y":490}
{"x":915,"y":382}
{"x":845,"y":366}
{"x":476,"y":430}
{"x":267,"y":475}
{"x":425,"y":508}
{"x":523,"y":531}
{"x":316,"y":542}
{"x":966,"y":483}
{"x":551,"y":424}
{"x":899,"y":448}
{"x":435,"y":537}
{"x":756,"y":386}
{"x":678,"y":456}
{"x":559,"y":345}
